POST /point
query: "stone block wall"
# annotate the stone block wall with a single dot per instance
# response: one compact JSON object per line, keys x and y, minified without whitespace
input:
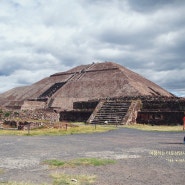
{"x":33,"y":105}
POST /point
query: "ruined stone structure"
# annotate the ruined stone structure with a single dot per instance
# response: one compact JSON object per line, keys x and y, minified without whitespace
{"x":102,"y":93}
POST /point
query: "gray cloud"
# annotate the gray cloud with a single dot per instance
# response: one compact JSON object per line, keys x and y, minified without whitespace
{"x":150,"y":5}
{"x":39,"y":38}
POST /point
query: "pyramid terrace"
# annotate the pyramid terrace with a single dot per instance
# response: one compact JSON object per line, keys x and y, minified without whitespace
{"x":98,"y":93}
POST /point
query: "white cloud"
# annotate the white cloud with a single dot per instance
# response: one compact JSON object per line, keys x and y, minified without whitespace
{"x":42,"y":37}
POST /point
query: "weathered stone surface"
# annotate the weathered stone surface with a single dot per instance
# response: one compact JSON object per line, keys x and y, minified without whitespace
{"x":82,"y":83}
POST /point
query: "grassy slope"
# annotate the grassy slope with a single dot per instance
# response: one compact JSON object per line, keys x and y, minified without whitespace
{"x":155,"y":127}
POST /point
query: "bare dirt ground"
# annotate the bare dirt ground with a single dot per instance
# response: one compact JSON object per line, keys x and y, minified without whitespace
{"x":141,"y":157}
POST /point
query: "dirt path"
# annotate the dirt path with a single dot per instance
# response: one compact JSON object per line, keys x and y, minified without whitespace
{"x":142,"y":157}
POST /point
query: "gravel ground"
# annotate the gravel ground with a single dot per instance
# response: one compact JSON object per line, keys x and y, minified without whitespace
{"x":142,"y":157}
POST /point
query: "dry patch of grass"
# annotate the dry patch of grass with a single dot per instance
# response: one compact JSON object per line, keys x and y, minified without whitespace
{"x":156,"y":127}
{"x":77,"y":129}
{"x":18,"y":183}
{"x":1,"y":171}
{"x":64,"y":179}
{"x":61,"y":179}
{"x":79,"y":179}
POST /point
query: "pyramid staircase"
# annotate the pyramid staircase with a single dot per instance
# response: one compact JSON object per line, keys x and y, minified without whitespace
{"x":49,"y":92}
{"x":47,"y":96}
{"x":50,"y":102}
{"x":110,"y":112}
{"x":79,"y":75}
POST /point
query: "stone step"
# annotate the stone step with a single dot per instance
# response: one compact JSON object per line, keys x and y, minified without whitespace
{"x":115,"y":104}
{"x":106,"y":106}
{"x":112,"y":112}
{"x":108,"y":117}
{"x":107,"y":120}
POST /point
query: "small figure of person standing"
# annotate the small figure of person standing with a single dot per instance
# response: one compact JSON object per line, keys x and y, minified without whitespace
{"x":183,"y":122}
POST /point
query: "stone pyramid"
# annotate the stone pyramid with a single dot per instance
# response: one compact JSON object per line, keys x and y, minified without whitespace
{"x":82,"y":83}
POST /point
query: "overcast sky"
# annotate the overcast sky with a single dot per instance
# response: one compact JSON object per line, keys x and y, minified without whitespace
{"x":42,"y":37}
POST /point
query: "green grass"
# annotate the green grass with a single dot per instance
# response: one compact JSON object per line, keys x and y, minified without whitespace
{"x":156,"y":127}
{"x":79,"y":129}
{"x":55,"y":162}
{"x":79,"y":162}
{"x":64,"y":179}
